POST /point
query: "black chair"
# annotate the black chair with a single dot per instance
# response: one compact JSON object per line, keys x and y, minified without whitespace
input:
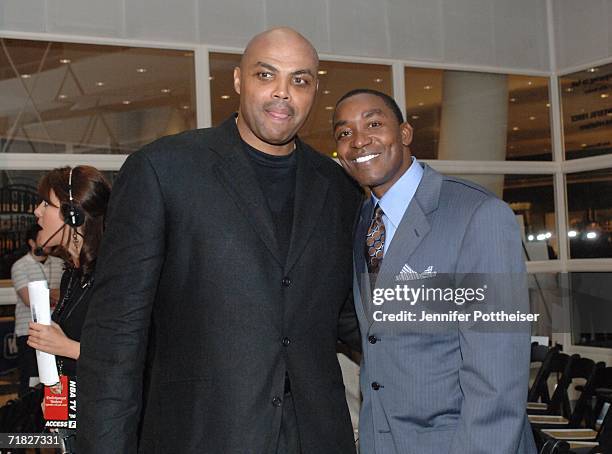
{"x":552,"y":362}
{"x":603,"y":387}
{"x":602,"y":444}
{"x":539,"y":352}
{"x":559,"y":402}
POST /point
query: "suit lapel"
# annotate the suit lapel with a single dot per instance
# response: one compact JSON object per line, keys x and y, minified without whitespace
{"x":310,"y":195}
{"x":236,"y":174}
{"x":408,"y":236}
{"x":414,"y":225}
{"x":365,"y":217}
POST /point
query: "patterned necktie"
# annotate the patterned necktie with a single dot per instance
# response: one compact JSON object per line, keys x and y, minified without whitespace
{"x":375,"y":242}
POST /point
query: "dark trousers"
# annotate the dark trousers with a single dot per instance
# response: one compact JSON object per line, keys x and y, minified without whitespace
{"x":26,"y":362}
{"x":289,"y":436}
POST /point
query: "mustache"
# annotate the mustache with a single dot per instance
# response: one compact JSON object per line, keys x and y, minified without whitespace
{"x":282,"y":106}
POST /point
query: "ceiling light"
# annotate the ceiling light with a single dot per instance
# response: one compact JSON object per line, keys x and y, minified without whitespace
{"x":378,"y":80}
{"x":141,"y":70}
{"x":326,"y":92}
{"x":126,"y":102}
{"x":185,"y":107}
{"x":569,"y":89}
{"x":427,"y":87}
{"x":225,"y":96}
{"x":421,"y":104}
{"x":415,"y":117}
{"x":64,"y":61}
{"x":583,"y":145}
{"x":100,"y":84}
{"x":548,"y":235}
{"x":591,"y":235}
{"x":604,"y":95}
{"x":532,"y":118}
{"x":530,"y":83}
{"x":329,"y":107}
{"x":530,"y":238}
{"x":541,"y":237}
{"x":547,"y":104}
{"x":61,"y":96}
{"x":572,"y":234}
{"x":512,"y":99}
{"x":165,"y":90}
{"x":211,"y":77}
{"x":592,"y":70}
{"x":25,"y":76}
{"x":321,"y":72}
{"x":515,"y":128}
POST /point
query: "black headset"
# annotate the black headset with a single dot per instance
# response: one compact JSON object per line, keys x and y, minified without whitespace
{"x":73,"y":215}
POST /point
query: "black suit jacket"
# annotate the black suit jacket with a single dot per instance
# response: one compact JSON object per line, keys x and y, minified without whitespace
{"x":189,"y":257}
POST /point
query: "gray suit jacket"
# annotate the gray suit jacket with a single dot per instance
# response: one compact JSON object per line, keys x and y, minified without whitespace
{"x":461,"y":388}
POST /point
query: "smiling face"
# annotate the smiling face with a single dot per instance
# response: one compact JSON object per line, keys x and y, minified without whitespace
{"x":277,"y":83}
{"x":372,"y":145}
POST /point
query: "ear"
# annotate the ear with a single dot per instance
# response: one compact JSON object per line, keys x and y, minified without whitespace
{"x":31,"y":243}
{"x":407,"y":133}
{"x":237,"y":79}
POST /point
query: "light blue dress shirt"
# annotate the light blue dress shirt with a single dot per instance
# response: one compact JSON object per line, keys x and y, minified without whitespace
{"x":396,"y":200}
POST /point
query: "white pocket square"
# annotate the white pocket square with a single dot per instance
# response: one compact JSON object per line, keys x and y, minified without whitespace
{"x":408,"y":274}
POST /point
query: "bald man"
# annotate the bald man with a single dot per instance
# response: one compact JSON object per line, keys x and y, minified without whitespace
{"x":224,"y":279}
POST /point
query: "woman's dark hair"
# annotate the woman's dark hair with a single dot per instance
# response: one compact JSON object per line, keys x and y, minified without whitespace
{"x":90,"y":192}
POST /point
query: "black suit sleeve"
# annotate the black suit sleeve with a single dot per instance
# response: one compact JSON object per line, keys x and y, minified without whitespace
{"x":114,"y":338}
{"x":348,"y":325}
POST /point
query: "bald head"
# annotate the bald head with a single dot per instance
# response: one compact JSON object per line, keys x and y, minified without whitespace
{"x":280,"y":36}
{"x":277,"y":83}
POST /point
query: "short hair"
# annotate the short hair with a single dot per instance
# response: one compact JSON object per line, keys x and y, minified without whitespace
{"x":388,"y":100}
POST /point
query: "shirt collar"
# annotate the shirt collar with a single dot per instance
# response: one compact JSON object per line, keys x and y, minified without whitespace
{"x":396,"y":200}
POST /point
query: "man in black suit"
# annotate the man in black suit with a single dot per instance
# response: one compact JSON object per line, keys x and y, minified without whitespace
{"x":227,"y":262}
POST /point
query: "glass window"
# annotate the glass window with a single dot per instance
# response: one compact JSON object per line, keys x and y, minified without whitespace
{"x":532,"y":199}
{"x":335,"y":79}
{"x":586,"y":103}
{"x":18,"y":200}
{"x":589,"y":200}
{"x":85,"y":98}
{"x":459,"y":115}
{"x":546,"y":299}
{"x":591,"y":309}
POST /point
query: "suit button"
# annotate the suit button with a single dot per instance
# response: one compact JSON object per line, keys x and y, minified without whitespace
{"x":376,"y":386}
{"x":286,"y":282}
{"x":372,"y":339}
{"x":277,"y":401}
{"x":286,"y":341}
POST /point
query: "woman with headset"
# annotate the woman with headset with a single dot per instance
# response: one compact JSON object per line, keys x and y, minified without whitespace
{"x":71,"y":217}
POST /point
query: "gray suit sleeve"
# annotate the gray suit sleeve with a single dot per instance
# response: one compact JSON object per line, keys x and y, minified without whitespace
{"x":114,"y":337}
{"x":495,"y":362}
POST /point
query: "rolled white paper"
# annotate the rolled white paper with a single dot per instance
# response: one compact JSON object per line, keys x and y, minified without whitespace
{"x":41,"y":313}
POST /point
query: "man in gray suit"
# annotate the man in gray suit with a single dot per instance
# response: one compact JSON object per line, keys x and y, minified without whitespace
{"x":454,"y":387}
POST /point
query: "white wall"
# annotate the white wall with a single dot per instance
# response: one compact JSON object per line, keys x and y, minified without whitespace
{"x":496,"y":33}
{"x":583,"y":31}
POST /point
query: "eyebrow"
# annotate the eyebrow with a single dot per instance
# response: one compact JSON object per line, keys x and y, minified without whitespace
{"x":371,"y":113}
{"x":275,"y":69}
{"x":366,"y":114}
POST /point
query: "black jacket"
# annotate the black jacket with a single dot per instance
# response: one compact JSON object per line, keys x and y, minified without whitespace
{"x":189,"y":252}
